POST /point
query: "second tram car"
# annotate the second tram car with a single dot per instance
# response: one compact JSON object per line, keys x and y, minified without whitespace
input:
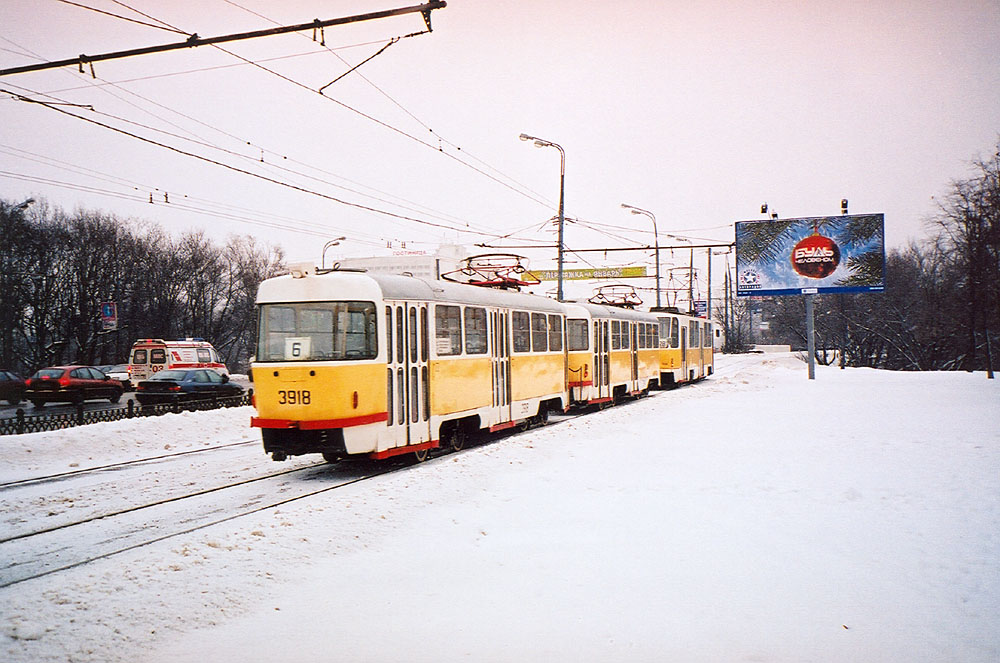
{"x":613,"y":353}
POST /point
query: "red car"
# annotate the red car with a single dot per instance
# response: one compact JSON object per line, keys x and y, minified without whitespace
{"x":71,"y":384}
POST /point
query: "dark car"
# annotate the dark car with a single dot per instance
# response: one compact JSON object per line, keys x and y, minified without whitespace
{"x":182,"y":385}
{"x":11,"y":387}
{"x":71,"y":384}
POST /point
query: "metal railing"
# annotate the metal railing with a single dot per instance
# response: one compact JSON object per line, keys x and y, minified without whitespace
{"x":22,"y":423}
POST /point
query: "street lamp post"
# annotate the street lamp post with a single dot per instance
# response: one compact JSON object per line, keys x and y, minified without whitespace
{"x":540,"y":142}
{"x":690,"y":270}
{"x":332,"y":242}
{"x":656,"y":240}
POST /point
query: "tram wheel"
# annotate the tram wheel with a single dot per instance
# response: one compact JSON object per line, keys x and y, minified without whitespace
{"x":331,"y":457}
{"x":421,"y":455}
{"x":457,"y":438}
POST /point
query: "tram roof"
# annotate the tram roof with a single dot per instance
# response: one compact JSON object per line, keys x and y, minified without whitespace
{"x":346,"y":285}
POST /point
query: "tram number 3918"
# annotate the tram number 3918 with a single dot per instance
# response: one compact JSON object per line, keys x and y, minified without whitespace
{"x":294,"y":397}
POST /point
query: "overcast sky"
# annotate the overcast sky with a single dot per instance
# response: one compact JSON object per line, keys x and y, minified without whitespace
{"x":697,"y":111}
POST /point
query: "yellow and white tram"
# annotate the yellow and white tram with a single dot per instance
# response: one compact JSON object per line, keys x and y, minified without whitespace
{"x":351,"y":363}
{"x":613,"y":353}
{"x":686,"y":348}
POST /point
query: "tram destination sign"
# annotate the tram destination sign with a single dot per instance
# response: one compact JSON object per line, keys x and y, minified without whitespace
{"x":810,"y":255}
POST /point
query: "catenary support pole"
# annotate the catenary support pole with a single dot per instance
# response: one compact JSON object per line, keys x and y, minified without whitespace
{"x":194,"y":40}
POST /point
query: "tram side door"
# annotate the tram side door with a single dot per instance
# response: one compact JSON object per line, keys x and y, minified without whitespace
{"x":500,"y":359}
{"x":413,"y":375}
{"x":396,"y":355}
{"x":684,"y":353}
{"x":634,"y":352}
{"x":602,"y":359}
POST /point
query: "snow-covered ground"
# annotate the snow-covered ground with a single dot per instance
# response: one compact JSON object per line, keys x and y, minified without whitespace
{"x":757,"y":516}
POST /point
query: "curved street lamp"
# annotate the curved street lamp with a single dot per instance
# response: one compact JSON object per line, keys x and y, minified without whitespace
{"x":690,"y":269}
{"x":332,"y":242}
{"x":541,"y":142}
{"x":656,"y":239}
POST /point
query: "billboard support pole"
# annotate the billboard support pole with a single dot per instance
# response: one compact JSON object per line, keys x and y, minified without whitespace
{"x":811,"y":335}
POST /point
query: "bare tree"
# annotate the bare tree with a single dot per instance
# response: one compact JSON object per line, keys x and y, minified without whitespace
{"x":969,"y":233}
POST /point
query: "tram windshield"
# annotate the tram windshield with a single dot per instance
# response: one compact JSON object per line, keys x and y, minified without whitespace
{"x":316,"y":331}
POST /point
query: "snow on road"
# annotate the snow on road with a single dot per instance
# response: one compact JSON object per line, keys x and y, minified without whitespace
{"x":756,"y":516}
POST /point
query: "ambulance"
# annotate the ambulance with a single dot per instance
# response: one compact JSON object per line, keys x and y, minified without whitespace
{"x":151,"y":355}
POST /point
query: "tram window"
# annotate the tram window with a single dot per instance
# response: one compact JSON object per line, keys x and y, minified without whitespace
{"x":413,"y":334}
{"x":401,"y":395}
{"x":448,"y":329}
{"x":694,"y":339}
{"x":654,"y":335}
{"x":414,"y":396}
{"x":475,"y":331}
{"x":388,"y":342}
{"x":426,"y":392}
{"x":626,"y":334}
{"x":539,"y":332}
{"x":577,"y":332}
{"x":358,"y":330}
{"x":674,"y":333}
{"x":400,"y":338}
{"x":555,"y":333}
{"x":424,"y":339}
{"x":388,"y":392}
{"x":317,"y":331}
{"x":616,"y":335}
{"x":520,"y":325}
{"x":640,"y":335}
{"x":706,"y":336}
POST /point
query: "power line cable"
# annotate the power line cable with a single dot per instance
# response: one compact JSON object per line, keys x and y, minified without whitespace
{"x":283,"y":77}
{"x":140,"y":197}
{"x":535,"y":196}
{"x":193,"y":155}
{"x":124,"y":18}
{"x":436,"y":214}
{"x":468,"y":226}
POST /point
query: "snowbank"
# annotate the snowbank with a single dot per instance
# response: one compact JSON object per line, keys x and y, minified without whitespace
{"x":94,"y":445}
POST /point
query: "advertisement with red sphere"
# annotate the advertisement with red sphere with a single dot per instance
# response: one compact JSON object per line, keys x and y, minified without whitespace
{"x":810,"y":255}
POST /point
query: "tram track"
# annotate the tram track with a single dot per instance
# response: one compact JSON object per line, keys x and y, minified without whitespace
{"x":46,"y":551}
{"x":70,"y":545}
{"x":114,"y":466}
{"x":150,"y":505}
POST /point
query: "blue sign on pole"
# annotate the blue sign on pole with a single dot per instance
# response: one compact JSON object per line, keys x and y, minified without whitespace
{"x":109,"y":316}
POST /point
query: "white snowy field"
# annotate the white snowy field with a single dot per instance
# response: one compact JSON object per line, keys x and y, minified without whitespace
{"x":757,"y":516}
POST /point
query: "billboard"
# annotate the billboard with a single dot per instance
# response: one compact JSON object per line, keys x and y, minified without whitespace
{"x":811,"y":255}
